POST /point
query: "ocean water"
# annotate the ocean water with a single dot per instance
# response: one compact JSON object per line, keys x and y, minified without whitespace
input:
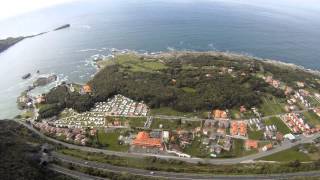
{"x":286,"y":30}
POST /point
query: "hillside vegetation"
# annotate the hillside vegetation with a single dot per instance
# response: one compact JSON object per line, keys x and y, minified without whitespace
{"x":184,"y":81}
{"x":19,"y":149}
{"x":6,"y":43}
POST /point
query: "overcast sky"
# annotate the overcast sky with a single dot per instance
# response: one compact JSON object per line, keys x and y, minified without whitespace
{"x":9,"y":8}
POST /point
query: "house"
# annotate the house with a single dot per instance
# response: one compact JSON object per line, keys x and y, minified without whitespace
{"x":220,"y":114}
{"x":279,"y":136}
{"x":243,"y":129}
{"x":251,"y":144}
{"x":221,"y":131}
{"x":86,"y":89}
{"x":143,"y":139}
{"x":234,"y":128}
{"x":40,"y":99}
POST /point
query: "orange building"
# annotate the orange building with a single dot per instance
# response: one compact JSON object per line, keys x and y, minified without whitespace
{"x":243,"y":129}
{"x":219,"y":114}
{"x":251,"y":144}
{"x":238,"y":128}
{"x":143,"y":139}
{"x":234,"y":128}
{"x":87,"y":89}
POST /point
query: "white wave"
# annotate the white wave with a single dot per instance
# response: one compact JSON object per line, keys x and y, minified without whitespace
{"x":171,"y":48}
{"x":86,"y":50}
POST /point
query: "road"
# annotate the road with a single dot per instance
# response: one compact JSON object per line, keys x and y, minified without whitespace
{"x":178,"y":176}
{"x":249,"y":158}
{"x":74,"y":174}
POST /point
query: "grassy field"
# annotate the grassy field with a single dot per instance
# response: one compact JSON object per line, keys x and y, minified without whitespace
{"x":189,"y":90}
{"x":196,"y":149}
{"x":279,"y":124}
{"x":312,"y":118}
{"x":288,"y":155}
{"x":271,"y":106}
{"x":110,"y":140}
{"x":238,"y":150}
{"x":136,"y":64}
{"x":166,"y":124}
{"x":235,"y":114}
{"x":168,"y":111}
{"x":255,"y":134}
{"x":174,"y":124}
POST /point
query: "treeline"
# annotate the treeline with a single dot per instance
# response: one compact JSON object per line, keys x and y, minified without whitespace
{"x":60,"y":97}
{"x":20,"y":157}
{"x":291,"y":76}
{"x":166,"y":88}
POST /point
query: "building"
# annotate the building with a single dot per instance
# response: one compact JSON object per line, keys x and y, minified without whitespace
{"x":165,"y":136}
{"x":220,"y":114}
{"x":251,"y":144}
{"x":143,"y":139}
{"x":238,"y":128}
{"x":86,"y":89}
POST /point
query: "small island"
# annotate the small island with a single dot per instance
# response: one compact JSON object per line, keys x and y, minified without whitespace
{"x":62,"y":27}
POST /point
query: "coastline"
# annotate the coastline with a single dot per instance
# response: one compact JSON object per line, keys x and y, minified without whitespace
{"x":167,"y":54}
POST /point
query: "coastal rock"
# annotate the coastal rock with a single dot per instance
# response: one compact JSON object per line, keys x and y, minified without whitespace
{"x":42,"y":81}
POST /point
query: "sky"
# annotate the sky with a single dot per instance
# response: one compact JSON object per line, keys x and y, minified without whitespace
{"x":10,"y":8}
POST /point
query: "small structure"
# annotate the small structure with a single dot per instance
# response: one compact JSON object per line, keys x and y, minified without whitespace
{"x":251,"y":144}
{"x":165,"y":136}
{"x":220,"y":114}
{"x":86,"y":89}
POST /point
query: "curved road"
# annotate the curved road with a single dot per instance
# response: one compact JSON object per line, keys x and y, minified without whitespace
{"x":178,"y":176}
{"x":245,"y":159}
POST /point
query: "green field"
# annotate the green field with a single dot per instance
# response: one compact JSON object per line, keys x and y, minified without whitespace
{"x":168,"y":111}
{"x":189,"y":90}
{"x":271,"y":106}
{"x":238,"y":150}
{"x":312,"y":118}
{"x":197,"y":149}
{"x":110,"y":140}
{"x":174,"y":124}
{"x":136,"y":64}
{"x":283,"y":128}
{"x":288,"y":155}
{"x":255,"y":134}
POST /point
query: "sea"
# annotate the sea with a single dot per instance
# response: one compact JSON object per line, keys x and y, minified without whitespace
{"x":285,"y":30}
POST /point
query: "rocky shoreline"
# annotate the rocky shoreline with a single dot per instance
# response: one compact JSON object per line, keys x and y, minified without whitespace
{"x":231,"y":55}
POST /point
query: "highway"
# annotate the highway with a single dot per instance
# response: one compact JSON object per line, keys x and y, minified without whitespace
{"x":74,"y":174}
{"x":245,"y":159}
{"x":178,"y":176}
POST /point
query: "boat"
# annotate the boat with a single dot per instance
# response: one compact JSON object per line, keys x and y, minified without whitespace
{"x":26,"y":76}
